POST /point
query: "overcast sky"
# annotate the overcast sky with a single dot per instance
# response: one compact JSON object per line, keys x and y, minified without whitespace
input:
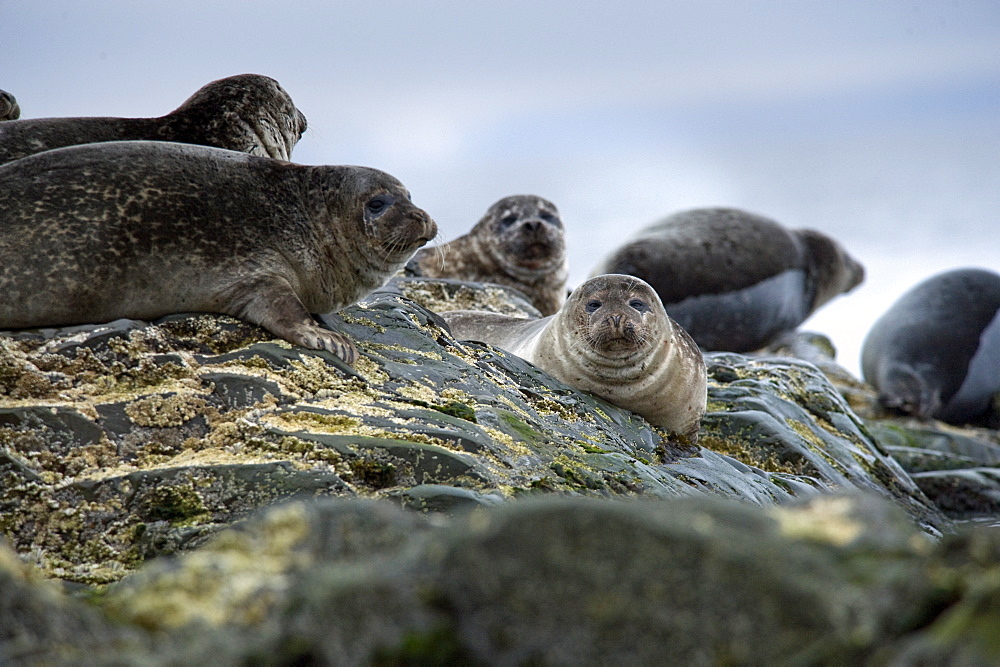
{"x":877,"y":122}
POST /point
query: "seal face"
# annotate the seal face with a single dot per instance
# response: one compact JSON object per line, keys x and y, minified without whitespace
{"x":520,"y":242}
{"x":9,"y":110}
{"x":611,"y":338}
{"x":141,"y":229}
{"x":735,"y":280}
{"x":249,"y":113}
{"x":936,"y":352}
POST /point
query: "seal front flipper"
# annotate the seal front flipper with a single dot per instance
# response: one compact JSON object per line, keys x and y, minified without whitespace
{"x":272,"y":303}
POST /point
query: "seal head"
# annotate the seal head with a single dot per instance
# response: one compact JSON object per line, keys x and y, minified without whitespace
{"x":249,"y":113}
{"x":520,"y":242}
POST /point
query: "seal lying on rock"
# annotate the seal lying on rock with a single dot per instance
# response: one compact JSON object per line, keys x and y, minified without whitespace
{"x":142,"y":229}
{"x":613,"y":339}
{"x":519,"y":243}
{"x":936,"y":351}
{"x":9,"y":110}
{"x":249,"y":113}
{"x":735,"y":280}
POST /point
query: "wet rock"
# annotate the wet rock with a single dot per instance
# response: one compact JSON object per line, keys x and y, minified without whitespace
{"x":163,"y":433}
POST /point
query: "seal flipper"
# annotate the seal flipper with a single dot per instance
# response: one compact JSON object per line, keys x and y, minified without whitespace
{"x":272,"y":303}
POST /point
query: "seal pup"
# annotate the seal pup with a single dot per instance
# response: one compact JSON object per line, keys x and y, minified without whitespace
{"x":735,"y":280}
{"x":936,"y":352}
{"x":143,"y":229}
{"x":520,"y":243}
{"x":613,"y":339}
{"x":249,"y":113}
{"x":9,"y":110}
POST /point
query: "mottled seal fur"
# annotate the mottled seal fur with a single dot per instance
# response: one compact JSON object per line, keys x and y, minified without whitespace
{"x":613,"y":339}
{"x":735,"y":280}
{"x":9,"y":110}
{"x":520,"y":243}
{"x":142,"y":229}
{"x":249,"y":113}
{"x":936,"y":351}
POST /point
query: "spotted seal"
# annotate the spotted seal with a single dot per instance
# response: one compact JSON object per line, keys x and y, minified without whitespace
{"x":249,"y":113}
{"x":936,"y":351}
{"x":613,"y":339}
{"x":9,"y":110}
{"x":142,"y":229}
{"x":736,"y":280}
{"x":520,"y":243}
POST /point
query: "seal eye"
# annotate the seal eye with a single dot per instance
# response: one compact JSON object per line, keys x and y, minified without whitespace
{"x":507,"y":221}
{"x":378,"y":205}
{"x":592,"y":306}
{"x":638,"y":305}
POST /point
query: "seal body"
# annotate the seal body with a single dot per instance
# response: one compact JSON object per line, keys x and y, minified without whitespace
{"x":936,"y":351}
{"x":611,"y":338}
{"x":249,"y":113}
{"x":142,"y":229}
{"x":9,"y":109}
{"x":520,"y":242}
{"x":735,"y":280}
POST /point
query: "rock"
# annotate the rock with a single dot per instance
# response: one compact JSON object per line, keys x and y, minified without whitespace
{"x":158,"y":435}
{"x":545,"y":580}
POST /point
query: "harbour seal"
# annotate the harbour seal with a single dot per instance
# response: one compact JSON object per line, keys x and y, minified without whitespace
{"x":143,"y":229}
{"x":9,"y":110}
{"x":613,"y":339}
{"x":520,"y":243}
{"x":249,"y":113}
{"x":936,"y":351}
{"x":734,"y":280}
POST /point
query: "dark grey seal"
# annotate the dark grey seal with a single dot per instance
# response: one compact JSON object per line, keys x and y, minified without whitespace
{"x":734,"y":280}
{"x":249,"y":113}
{"x":936,"y":351}
{"x":143,"y":229}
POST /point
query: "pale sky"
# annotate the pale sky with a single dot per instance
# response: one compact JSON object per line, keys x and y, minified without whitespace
{"x":876,"y":122}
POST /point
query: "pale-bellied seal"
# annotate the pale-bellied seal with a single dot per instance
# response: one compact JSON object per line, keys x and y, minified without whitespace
{"x":249,"y":113}
{"x":613,"y":339}
{"x":9,"y":110}
{"x":519,"y":242}
{"x":142,"y":229}
{"x":735,"y":280}
{"x":936,"y":351}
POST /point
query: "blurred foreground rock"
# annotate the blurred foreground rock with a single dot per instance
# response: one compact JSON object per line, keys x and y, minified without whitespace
{"x":842,"y":579}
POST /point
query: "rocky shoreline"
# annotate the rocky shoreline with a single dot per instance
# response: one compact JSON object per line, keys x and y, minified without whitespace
{"x":140,"y":460}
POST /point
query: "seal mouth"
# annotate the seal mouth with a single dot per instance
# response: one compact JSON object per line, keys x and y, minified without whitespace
{"x":616,"y":342}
